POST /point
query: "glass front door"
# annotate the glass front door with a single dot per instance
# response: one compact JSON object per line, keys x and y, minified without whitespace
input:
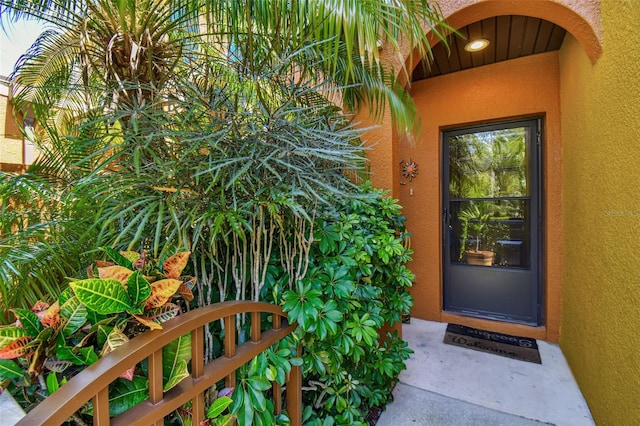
{"x":492,"y":221}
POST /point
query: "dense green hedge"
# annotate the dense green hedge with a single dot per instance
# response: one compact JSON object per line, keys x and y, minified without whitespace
{"x":357,"y":282}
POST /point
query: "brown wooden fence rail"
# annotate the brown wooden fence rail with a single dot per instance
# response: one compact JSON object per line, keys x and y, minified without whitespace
{"x":93,"y":382}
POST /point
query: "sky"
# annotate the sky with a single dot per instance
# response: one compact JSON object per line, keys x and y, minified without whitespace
{"x":15,"y":39}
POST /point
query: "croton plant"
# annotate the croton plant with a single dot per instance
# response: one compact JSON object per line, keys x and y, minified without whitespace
{"x":121,"y":298}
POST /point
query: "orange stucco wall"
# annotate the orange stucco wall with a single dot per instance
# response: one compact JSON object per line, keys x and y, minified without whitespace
{"x":601,"y":177}
{"x":524,"y":87}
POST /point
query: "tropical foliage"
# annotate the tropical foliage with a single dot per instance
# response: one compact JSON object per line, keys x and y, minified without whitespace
{"x":193,"y":123}
{"x":355,"y":288}
{"x":50,"y":343}
{"x":215,"y":127}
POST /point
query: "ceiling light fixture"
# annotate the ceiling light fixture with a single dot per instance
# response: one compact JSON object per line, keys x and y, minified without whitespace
{"x":476,"y":45}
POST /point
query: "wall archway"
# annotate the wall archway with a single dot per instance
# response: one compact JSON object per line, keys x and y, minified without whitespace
{"x":581,"y":19}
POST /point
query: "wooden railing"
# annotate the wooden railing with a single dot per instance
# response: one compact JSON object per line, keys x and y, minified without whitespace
{"x":93,"y":382}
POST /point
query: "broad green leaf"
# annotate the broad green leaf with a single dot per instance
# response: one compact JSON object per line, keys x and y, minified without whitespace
{"x":52,"y":383}
{"x":257,"y":398}
{"x":106,"y":296}
{"x":84,"y":356}
{"x":44,"y":336}
{"x":259,"y":383}
{"x":242,"y":406}
{"x":103,"y":332}
{"x":29,"y":321}
{"x":180,"y":371}
{"x":125,"y":394}
{"x":94,"y":318}
{"x":9,"y":369}
{"x":175,"y":356}
{"x":271,"y":373}
{"x":76,"y":314}
{"x":296,"y":362}
{"x":64,"y":296}
{"x":138,"y":288}
{"x":87,"y":355}
{"x":302,"y":306}
{"x":117,"y":257}
{"x":218,"y":406}
{"x":64,"y":353}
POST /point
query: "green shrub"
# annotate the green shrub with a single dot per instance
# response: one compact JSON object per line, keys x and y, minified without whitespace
{"x":357,"y":282}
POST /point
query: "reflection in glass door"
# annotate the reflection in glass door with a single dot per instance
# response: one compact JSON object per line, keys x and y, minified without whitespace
{"x":491,"y":221}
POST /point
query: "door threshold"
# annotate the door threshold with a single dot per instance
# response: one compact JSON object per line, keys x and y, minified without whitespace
{"x":533,"y":332}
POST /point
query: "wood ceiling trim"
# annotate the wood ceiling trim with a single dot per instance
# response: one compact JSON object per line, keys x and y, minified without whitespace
{"x":510,"y":37}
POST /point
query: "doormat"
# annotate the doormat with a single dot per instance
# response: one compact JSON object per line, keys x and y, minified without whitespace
{"x":521,"y":348}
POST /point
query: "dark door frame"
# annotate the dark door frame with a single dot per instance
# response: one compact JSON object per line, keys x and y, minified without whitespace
{"x":535,"y":126}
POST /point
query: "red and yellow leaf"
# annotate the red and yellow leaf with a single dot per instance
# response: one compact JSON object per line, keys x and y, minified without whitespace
{"x":163,"y":313}
{"x":174,"y":265}
{"x":185,"y":292}
{"x":18,"y":347}
{"x":40,"y":306}
{"x":148,"y":322}
{"x":10,"y":333}
{"x":119,"y":273}
{"x":51,"y":316}
{"x":140,"y":262}
{"x":161,"y":292}
{"x":188,"y":281}
{"x":128,"y":375}
{"x":104,"y":263}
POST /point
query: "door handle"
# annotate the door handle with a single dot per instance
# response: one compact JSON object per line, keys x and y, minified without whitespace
{"x":445,"y":226}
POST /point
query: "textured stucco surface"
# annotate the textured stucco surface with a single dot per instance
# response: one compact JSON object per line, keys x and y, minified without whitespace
{"x":601,"y":292}
{"x":523,"y":87}
{"x":10,"y":138}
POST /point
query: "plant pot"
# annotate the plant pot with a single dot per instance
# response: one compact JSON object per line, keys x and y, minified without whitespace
{"x":481,"y":257}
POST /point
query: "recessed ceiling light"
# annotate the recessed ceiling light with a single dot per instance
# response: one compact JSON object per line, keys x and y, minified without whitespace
{"x":476,"y":45}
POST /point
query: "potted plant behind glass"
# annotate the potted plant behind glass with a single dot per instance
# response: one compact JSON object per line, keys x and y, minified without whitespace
{"x":477,"y":220}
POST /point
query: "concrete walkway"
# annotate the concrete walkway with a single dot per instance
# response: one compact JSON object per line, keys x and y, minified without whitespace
{"x":10,"y":411}
{"x":452,"y":386}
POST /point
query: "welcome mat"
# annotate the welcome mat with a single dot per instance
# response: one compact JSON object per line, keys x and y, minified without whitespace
{"x":515,"y":347}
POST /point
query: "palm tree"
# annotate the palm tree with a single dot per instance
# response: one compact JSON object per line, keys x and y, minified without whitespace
{"x":201,"y":124}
